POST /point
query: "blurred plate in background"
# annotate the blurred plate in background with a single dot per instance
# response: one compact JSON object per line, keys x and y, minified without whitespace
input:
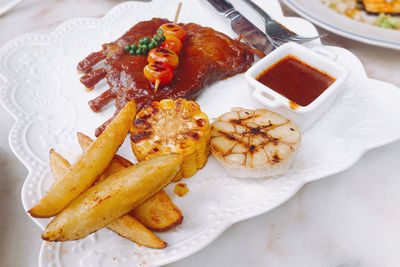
{"x":323,"y":16}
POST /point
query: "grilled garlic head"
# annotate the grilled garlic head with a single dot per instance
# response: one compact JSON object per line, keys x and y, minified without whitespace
{"x":254,"y":143}
{"x":172,"y":126}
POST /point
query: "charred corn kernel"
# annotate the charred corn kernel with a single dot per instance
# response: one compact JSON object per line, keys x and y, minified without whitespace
{"x":172,"y":126}
{"x":181,"y":189}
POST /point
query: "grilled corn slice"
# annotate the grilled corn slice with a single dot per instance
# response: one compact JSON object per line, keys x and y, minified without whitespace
{"x":172,"y":126}
{"x":254,"y":143}
{"x":382,"y":6}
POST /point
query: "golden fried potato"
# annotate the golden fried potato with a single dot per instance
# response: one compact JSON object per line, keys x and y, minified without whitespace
{"x":125,"y":226}
{"x":128,"y":227}
{"x":158,"y":213}
{"x":84,"y":172}
{"x":59,"y":166}
{"x":111,"y":198}
{"x":85,"y":142}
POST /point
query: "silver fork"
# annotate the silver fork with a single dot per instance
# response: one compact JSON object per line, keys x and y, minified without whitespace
{"x":277,"y":33}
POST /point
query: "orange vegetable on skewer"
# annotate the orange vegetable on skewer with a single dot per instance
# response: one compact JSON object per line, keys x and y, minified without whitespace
{"x":155,"y":72}
{"x":163,"y":56}
{"x":172,"y":43}
{"x":174,"y":29}
{"x":163,"y":61}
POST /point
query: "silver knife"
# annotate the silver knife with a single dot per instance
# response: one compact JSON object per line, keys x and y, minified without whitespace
{"x":242,"y":26}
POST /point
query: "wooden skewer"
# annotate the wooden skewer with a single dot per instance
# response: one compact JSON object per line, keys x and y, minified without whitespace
{"x":178,"y":10}
{"x":156,"y":85}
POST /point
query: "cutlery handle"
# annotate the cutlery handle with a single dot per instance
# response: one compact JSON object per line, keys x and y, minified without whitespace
{"x":222,"y":6}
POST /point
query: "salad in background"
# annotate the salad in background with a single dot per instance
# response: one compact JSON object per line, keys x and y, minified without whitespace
{"x":382,"y":13}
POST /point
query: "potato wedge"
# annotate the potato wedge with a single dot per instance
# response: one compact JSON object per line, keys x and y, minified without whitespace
{"x":128,"y":227}
{"x":157,"y":213}
{"x":59,"y":166}
{"x":111,"y":198}
{"x":125,"y":226}
{"x":85,"y":142}
{"x":84,"y":172}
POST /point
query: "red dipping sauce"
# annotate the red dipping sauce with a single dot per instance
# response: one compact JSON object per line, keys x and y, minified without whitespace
{"x":296,"y":80}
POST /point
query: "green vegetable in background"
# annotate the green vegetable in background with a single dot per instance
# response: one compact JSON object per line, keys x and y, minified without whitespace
{"x":387,"y":21}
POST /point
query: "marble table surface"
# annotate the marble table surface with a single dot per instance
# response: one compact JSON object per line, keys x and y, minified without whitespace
{"x":350,"y":219}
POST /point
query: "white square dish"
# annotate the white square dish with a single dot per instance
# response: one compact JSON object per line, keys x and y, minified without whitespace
{"x":318,"y":58}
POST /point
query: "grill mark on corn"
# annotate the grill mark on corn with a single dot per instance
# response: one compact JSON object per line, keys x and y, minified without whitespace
{"x":200,"y":122}
{"x":139,"y":136}
{"x":141,"y":122}
{"x":154,"y":106}
{"x":193,"y":134}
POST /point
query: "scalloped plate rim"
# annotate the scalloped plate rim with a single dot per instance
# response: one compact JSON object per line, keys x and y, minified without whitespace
{"x":296,"y":186}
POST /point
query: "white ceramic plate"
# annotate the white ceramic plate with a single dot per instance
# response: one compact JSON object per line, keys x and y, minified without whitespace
{"x":40,"y":87}
{"x":323,"y":16}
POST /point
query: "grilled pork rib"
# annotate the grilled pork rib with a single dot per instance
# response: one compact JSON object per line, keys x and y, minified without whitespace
{"x":207,"y":56}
